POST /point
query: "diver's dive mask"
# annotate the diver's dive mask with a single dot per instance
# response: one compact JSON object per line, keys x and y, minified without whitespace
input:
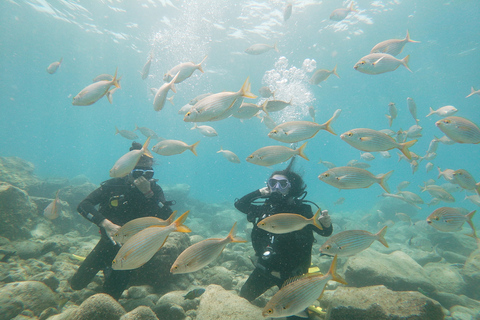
{"x":279,"y":183}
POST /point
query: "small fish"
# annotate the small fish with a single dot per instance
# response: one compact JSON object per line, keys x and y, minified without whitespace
{"x":311,"y":112}
{"x":464,"y":179}
{"x":184,"y":71}
{"x":412,"y":107}
{"x":353,"y":178}
{"x":147,"y":132}
{"x":392,"y":109}
{"x":402,"y":185}
{"x":472,"y":92}
{"x":103,"y":76}
{"x":94,"y":92}
{"x":429,"y":166}
{"x":260,"y":48}
{"x":247,"y":111}
{"x":367,"y":156}
{"x":459,"y":129}
{"x":195,"y":293}
{"x":448,"y":219}
{"x":414,"y":131}
{"x":161,"y":95}
{"x":146,"y":67}
{"x":300,"y":292}
{"x":51,"y":211}
{"x":421,"y":243}
{"x":265,"y":92}
{"x":392,"y":46}
{"x":207,"y":131}
{"x":414,"y":166}
{"x":287,"y":12}
{"x":377,"y":63}
{"x":342,"y":13}
{"x":322,"y":75}
{"x":52,"y":68}
{"x":229,"y":155}
{"x":126,"y":134}
{"x":445,"y":140}
{"x":327,"y":164}
{"x":350,"y":242}
{"x":128,"y":161}
{"x":281,"y":223}
{"x":172,"y":147}
{"x":371,"y":140}
{"x":339,"y":201}
{"x":202,"y":253}
{"x":134,"y":226}
{"x":295,"y":131}
{"x":275,"y":105}
{"x":270,"y":155}
{"x":433,"y":146}
{"x":385,"y":154}
{"x":438,"y":193}
{"x":411,"y":197}
{"x":475,"y":199}
{"x":445,"y":111}
{"x":142,"y":246}
{"x":357,"y":164}
{"x":403,"y":217}
{"x":269,"y":123}
{"x":447,"y":174}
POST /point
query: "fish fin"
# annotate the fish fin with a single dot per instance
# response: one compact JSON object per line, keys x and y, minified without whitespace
{"x":264,"y":107}
{"x":328,"y":123}
{"x":405,"y":62}
{"x":171,"y":100}
{"x":375,"y":62}
{"x":302,"y":314}
{"x":408,"y":39}
{"x":232,"y":234}
{"x":334,"y":71}
{"x":194,"y":126}
{"x":172,"y":83}
{"x":301,"y":153}
{"x":383,"y":180}
{"x":171,"y":218}
{"x":333,"y":272}
{"x":115,"y":81}
{"x":275,"y":47}
{"x":145,"y":148}
{"x":193,"y":147}
{"x":469,"y":221}
{"x":380,"y":236}
{"x":136,"y":127}
{"x":116,"y":130}
{"x":404,"y":148}
{"x":365,"y":138}
{"x":180,"y":220}
{"x":199,"y":66}
{"x":431,"y":112}
{"x":245,"y":90}
{"x":315,"y":219}
{"x":472,"y":92}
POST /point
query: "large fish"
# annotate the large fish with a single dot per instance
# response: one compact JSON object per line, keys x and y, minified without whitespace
{"x":172,"y":147}
{"x":350,"y":242}
{"x":448,"y":219}
{"x":128,"y":161}
{"x":281,"y":223}
{"x":464,"y":179}
{"x":184,"y":70}
{"x":354,"y":178}
{"x":377,"y":63}
{"x":142,"y":246}
{"x":372,"y":140}
{"x":392,"y":46}
{"x":92,"y":93}
{"x":270,"y":155}
{"x":300,"y":292}
{"x":459,"y":129}
{"x":202,"y":253}
{"x":247,"y":111}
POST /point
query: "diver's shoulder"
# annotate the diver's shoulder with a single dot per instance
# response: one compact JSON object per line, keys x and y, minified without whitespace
{"x":114,"y":182}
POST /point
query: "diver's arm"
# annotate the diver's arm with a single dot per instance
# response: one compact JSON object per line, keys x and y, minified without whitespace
{"x":308,"y":213}
{"x":87,"y":207}
{"x":163,"y":209}
{"x":244,"y":204}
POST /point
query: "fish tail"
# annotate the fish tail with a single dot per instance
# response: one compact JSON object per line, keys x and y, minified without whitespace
{"x":328,"y":123}
{"x":383,"y":180}
{"x":179,"y":223}
{"x":116,"y":130}
{"x":221,"y":149}
{"x":404,"y":148}
{"x":431,"y":112}
{"x":171,"y":100}
{"x":264,"y":107}
{"x":245,"y":90}
{"x":404,"y":61}
{"x":301,"y":153}
{"x":145,"y":148}
{"x":232,"y":235}
{"x":469,"y":221}
{"x":115,"y":81}
{"x":136,"y":127}
{"x":193,"y":147}
{"x":381,"y":236}
{"x":351,"y":8}
{"x":172,"y":217}
{"x":408,"y":39}
{"x":60,"y":61}
{"x":172,"y":83}
{"x":194,"y":126}
{"x":199,"y":66}
{"x":477,"y":188}
{"x":315,"y":219}
{"x":275,"y":47}
{"x":334,"y":71}
{"x":333,"y":271}
{"x":390,"y":119}
{"x":472,"y":92}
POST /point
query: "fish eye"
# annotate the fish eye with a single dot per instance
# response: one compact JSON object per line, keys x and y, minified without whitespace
{"x":362,"y":62}
{"x":437,"y":218}
{"x":446,"y":121}
{"x":349,"y":134}
{"x":328,"y":247}
{"x":188,"y":113}
{"x":269,"y":311}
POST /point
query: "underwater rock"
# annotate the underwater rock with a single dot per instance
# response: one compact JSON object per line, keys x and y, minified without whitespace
{"x":28,"y":249}
{"x":17,"y":172}
{"x":169,"y":311}
{"x":462,"y":313}
{"x":48,"y":278}
{"x":449,"y":300}
{"x":220,"y":276}
{"x":219,"y":304}
{"x":31,"y":295}
{"x":454,"y":242}
{"x":76,"y":194}
{"x":397,"y":271}
{"x":471,"y":274}
{"x":378,"y":302}
{"x":446,"y":278}
{"x":176,"y":297}
{"x":17,"y":212}
{"x":139,"y":292}
{"x":131,"y":304}
{"x":99,"y":307}
{"x":140,"y":313}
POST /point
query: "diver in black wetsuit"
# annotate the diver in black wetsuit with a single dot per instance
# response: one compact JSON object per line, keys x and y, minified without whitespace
{"x":279,"y":256}
{"x":120,"y":200}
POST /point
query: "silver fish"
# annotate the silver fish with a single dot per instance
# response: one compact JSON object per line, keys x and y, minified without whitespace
{"x":377,"y":63}
{"x":392,"y":46}
{"x":353,"y":178}
{"x":459,"y":129}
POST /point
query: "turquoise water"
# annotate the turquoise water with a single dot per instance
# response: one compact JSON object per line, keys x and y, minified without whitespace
{"x":40,"y":124}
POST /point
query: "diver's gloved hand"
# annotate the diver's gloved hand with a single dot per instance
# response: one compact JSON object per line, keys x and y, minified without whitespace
{"x":144,"y":186}
{"x":265,"y":192}
{"x":110,"y":228}
{"x":325,"y":219}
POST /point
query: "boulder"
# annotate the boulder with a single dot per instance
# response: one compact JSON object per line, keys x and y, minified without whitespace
{"x":17,"y":172}
{"x":31,"y":295}
{"x":99,"y":307}
{"x":380,"y":303}
{"x":176,"y":297}
{"x":220,"y":276}
{"x":471,"y":274}
{"x":219,"y":304}
{"x":446,"y":278}
{"x":169,"y":311}
{"x":397,"y":271}
{"x":140,"y":313}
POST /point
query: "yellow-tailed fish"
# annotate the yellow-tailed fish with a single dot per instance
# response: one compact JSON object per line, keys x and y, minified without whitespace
{"x":447,"y":174}
{"x":439,"y":193}
{"x":354,"y":178}
{"x":52,"y":68}
{"x":472,"y":92}
{"x":448,"y":219}
{"x":350,"y":242}
{"x":295,"y":131}
{"x":184,"y":70}
{"x":260,"y":48}
{"x":128,"y":161}
{"x":322,"y":75}
{"x":229,"y":155}
{"x":247,"y":111}
{"x":147,"y":132}
{"x":300,"y":292}
{"x":377,"y":63}
{"x":126,"y":134}
{"x":275,"y":105}
{"x":270,"y":155}
{"x":444,"y":111}
{"x":411,"y":197}
{"x":92,"y":93}
{"x":464,"y":179}
{"x":342,"y":13}
{"x":288,"y":222}
{"x":372,"y":140}
{"x":459,"y":129}
{"x":202,"y":253}
{"x":161,"y":95}
{"x":51,"y":211}
{"x":392,"y":46}
{"x":207,"y":131}
{"x":142,"y":246}
{"x":219,"y":105}
{"x":77,"y":257}
{"x":134,"y":226}
{"x":172,"y":147}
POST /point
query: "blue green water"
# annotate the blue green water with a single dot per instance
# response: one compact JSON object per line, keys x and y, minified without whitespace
{"x":39,"y":123}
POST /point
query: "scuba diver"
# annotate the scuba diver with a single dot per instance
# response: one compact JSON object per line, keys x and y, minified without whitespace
{"x":279,"y":256}
{"x":120,"y":200}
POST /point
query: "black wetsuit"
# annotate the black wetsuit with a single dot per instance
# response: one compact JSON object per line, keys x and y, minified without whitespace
{"x":119,"y":201}
{"x":290,"y":253}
